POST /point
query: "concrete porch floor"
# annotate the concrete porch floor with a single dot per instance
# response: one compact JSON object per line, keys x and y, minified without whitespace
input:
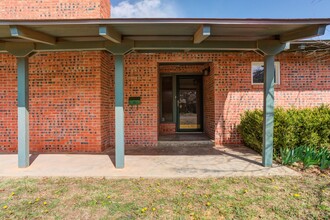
{"x":165,"y":162}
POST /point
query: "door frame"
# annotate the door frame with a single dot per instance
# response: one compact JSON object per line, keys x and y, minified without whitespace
{"x":177,"y":95}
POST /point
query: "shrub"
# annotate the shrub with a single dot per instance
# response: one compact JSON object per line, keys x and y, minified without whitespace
{"x":251,"y":129}
{"x":293,"y":127}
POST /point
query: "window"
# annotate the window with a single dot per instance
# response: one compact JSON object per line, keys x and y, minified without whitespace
{"x":257,"y":73}
{"x":167,"y":99}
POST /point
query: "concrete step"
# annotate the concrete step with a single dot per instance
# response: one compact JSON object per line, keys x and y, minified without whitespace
{"x":201,"y":143}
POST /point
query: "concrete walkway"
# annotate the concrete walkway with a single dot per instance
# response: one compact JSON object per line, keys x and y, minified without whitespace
{"x":217,"y":162}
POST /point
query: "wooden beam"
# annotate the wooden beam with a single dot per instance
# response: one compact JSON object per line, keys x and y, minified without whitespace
{"x":204,"y":46}
{"x":71,"y":46}
{"x":110,"y":34}
{"x":31,"y":35}
{"x":203,"y":32}
{"x":306,"y":32}
{"x":157,"y":38}
{"x":23,"y":49}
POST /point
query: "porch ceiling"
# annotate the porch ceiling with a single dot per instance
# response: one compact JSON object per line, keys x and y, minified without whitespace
{"x":124,"y":35}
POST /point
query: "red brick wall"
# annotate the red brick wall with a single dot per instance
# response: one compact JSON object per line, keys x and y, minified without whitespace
{"x":141,"y":79}
{"x":107,"y":100}
{"x":180,"y":68}
{"x":208,"y":103}
{"x":167,"y":128}
{"x":65,"y":102}
{"x":70,"y":109}
{"x":304,"y":83}
{"x":54,"y":9}
{"x":8,"y":103}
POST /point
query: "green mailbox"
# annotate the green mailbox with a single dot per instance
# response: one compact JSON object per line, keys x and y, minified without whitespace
{"x":134,"y":100}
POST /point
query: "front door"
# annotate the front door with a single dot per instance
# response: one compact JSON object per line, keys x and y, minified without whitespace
{"x":189,"y":103}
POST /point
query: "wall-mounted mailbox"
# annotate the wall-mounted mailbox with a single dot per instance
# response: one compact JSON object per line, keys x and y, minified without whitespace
{"x":134,"y":100}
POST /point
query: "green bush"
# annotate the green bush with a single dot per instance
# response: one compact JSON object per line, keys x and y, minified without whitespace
{"x":251,"y":129}
{"x":293,"y":127}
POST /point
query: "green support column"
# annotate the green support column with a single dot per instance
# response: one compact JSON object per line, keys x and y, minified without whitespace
{"x":23,"y":111}
{"x":268,"y":117}
{"x":270,"y":48}
{"x":119,"y":111}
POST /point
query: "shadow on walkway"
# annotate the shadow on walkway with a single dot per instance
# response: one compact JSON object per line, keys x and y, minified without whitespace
{"x":235,"y":151}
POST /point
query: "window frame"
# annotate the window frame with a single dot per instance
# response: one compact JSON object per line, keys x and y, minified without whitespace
{"x":277,"y":72}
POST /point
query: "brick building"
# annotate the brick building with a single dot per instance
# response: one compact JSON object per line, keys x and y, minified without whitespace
{"x":84,"y":82}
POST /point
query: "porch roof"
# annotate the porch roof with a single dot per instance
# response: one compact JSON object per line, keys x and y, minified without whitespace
{"x":120,"y":36}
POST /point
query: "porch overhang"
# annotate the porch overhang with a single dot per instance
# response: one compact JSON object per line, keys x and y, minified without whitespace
{"x":121,"y":36}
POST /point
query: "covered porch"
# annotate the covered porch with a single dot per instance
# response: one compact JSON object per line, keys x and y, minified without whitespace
{"x":161,"y":162}
{"x":123,"y":36}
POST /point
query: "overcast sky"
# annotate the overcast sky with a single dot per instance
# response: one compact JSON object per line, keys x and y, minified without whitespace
{"x":222,"y":9}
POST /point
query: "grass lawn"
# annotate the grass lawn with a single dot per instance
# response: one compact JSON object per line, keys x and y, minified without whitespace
{"x":305,"y":197}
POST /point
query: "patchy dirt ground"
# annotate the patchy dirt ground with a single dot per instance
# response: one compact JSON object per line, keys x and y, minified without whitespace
{"x":303,"y":197}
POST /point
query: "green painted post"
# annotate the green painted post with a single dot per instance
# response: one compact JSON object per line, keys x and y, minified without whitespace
{"x":268,"y":117}
{"x":119,"y":111}
{"x":23,"y":111}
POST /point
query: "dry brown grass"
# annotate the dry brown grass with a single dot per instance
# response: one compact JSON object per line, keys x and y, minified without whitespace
{"x":305,"y":197}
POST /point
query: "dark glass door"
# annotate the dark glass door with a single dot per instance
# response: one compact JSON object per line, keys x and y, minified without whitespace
{"x":189,"y":103}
